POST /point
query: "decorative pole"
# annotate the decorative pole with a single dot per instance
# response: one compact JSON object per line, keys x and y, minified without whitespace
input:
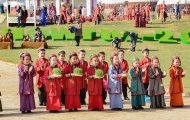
{"x":7,"y":14}
{"x":34,"y":12}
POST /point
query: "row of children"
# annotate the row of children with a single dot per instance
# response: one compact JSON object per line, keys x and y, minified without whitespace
{"x":70,"y":88}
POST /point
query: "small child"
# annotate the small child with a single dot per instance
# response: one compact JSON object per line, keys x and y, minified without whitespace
{"x":53,"y":86}
{"x":176,"y":85}
{"x":40,"y":66}
{"x":27,"y":38}
{"x":94,"y":85}
{"x":156,"y":89}
{"x":145,"y":64}
{"x":115,"y":75}
{"x":72,"y":84}
{"x":62,"y":64}
{"x":84,"y":65}
{"x":26,"y":73}
{"x":137,"y":89}
{"x":103,"y":65}
{"x":116,"y":43}
{"x":125,"y":68}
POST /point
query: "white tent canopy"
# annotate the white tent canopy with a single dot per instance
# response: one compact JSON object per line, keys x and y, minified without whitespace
{"x":174,"y":2}
{"x":142,"y":0}
{"x":111,"y":1}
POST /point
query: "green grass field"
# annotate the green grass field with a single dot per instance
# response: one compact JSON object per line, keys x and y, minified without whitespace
{"x":164,"y":51}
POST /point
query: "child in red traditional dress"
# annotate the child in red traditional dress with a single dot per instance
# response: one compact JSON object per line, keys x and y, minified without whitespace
{"x":72,"y":84}
{"x":62,"y":64}
{"x":40,"y":66}
{"x":94,"y":85}
{"x":84,"y":65}
{"x":103,"y":65}
{"x":125,"y":68}
{"x":176,"y":85}
{"x":53,"y":85}
{"x":145,"y":64}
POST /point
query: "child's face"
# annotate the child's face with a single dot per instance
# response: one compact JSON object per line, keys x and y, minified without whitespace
{"x":74,"y":60}
{"x":101,"y":58}
{"x":145,"y":53}
{"x":81,"y":55}
{"x":41,"y":54}
{"x":176,"y":63}
{"x":95,"y":62}
{"x":121,"y":55}
{"x":53,"y":61}
{"x":136,"y":64}
{"x":61,"y":57}
{"x":27,"y":60}
{"x":116,"y":60}
{"x":155,"y":63}
{"x":21,"y":59}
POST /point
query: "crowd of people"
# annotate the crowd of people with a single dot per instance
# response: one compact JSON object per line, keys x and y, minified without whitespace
{"x":141,"y":13}
{"x":66,"y":83}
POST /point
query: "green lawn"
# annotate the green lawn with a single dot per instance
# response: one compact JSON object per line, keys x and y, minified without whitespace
{"x":164,"y":51}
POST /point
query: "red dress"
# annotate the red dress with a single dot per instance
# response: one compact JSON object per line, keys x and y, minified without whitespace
{"x":72,"y":89}
{"x":176,"y":87}
{"x":84,"y":66}
{"x":63,"y":67}
{"x":63,"y":13}
{"x":53,"y":89}
{"x":44,"y":63}
{"x":143,"y":19}
{"x":104,"y":66}
{"x":125,"y":68}
{"x":94,"y":91}
{"x":145,"y":74}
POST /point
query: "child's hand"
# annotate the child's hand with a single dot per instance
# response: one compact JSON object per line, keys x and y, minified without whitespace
{"x":184,"y":72}
{"x":31,"y":69}
{"x":157,"y":73}
{"x":164,"y":73}
{"x":147,"y":64}
{"x":123,"y":75}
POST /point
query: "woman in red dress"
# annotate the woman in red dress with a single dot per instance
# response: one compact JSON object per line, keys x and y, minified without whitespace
{"x":72,"y":84}
{"x":53,"y":86}
{"x":94,"y":85}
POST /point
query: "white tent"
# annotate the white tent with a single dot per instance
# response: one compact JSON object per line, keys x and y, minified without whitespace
{"x":111,"y":1}
{"x":142,"y":0}
{"x":174,"y":2}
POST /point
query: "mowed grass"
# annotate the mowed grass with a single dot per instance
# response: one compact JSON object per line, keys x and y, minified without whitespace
{"x":165,"y":52}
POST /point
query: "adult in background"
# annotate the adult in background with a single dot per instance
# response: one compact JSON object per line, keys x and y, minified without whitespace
{"x":19,"y":11}
{"x":80,"y":9}
{"x":133,"y":37}
{"x":63,"y":14}
{"x":137,"y":16}
{"x":97,"y":14}
{"x":147,"y":10}
{"x":102,"y":8}
{"x":177,"y":11}
{"x":24,"y":16}
{"x":43,"y":16}
{"x":163,"y":13}
{"x":152,"y":11}
{"x":52,"y":13}
{"x":78,"y":33}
